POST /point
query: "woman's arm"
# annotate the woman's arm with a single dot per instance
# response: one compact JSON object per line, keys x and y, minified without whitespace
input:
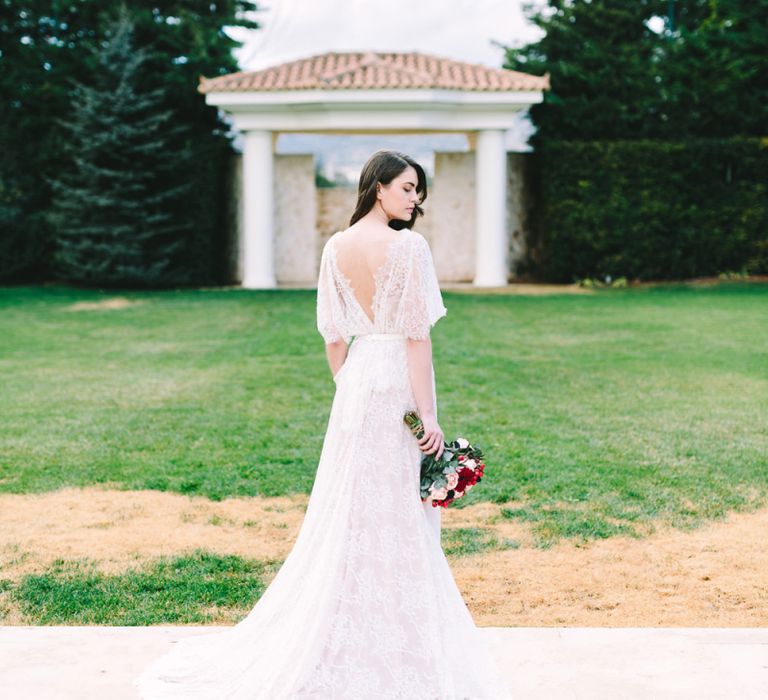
{"x":420,"y":371}
{"x":336,"y":351}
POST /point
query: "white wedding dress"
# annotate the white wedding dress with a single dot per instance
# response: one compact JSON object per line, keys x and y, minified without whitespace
{"x":365,"y":606}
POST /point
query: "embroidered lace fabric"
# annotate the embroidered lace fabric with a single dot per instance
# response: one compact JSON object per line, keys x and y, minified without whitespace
{"x":365,"y":605}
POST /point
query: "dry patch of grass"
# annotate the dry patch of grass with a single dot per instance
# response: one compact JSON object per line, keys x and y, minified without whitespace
{"x":111,"y":304}
{"x":710,"y":576}
{"x":713,"y":576}
{"x":119,"y":528}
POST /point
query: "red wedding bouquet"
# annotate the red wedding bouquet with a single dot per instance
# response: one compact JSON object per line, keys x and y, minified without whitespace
{"x":446,"y":479}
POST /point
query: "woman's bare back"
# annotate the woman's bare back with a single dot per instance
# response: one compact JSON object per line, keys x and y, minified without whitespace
{"x":360,"y":254}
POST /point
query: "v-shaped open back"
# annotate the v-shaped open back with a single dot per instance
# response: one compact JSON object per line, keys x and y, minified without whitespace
{"x":362,"y":267}
{"x":377,"y":285}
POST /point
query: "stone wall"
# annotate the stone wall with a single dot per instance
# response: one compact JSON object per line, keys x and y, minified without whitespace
{"x":450,"y":208}
{"x":334,"y":209}
{"x":295,"y":218}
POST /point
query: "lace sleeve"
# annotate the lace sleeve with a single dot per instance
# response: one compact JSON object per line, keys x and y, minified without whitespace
{"x":327,"y":300}
{"x":422,"y":303}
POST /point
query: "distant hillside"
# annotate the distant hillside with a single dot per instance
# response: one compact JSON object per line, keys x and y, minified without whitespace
{"x":344,"y":155}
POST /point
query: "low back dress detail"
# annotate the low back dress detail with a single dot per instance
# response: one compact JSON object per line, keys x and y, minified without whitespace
{"x":365,"y":606}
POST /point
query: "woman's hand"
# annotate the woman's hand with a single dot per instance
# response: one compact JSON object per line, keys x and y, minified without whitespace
{"x":336,"y":352}
{"x":433,"y":439}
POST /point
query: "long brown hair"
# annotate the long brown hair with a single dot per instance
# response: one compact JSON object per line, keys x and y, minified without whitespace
{"x":384,"y":166}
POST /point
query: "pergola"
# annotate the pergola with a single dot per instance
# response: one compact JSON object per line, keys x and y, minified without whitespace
{"x":367,"y":92}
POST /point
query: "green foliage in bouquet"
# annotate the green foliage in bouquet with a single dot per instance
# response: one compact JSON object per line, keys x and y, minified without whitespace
{"x":448,"y":478}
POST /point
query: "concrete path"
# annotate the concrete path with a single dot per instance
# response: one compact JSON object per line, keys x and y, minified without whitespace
{"x":542,"y":663}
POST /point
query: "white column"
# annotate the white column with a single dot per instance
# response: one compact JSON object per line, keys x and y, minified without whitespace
{"x":491,"y":235}
{"x":257,"y":254}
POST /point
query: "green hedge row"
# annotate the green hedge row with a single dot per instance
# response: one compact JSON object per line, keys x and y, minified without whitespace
{"x":649,"y":209}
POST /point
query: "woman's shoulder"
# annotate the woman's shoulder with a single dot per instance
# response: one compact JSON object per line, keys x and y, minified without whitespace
{"x":420,"y":241}
{"x":414,"y":235}
{"x":329,"y":242}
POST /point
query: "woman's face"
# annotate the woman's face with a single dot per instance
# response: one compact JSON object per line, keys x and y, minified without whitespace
{"x":399,"y":197}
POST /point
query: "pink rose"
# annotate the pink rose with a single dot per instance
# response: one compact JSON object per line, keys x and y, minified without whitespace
{"x":453,"y":479}
{"x":439,"y":494}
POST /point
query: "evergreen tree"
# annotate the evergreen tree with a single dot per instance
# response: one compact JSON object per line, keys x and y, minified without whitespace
{"x":44,"y":45}
{"x":20,"y":248}
{"x":713,"y":71}
{"x":598,"y":55}
{"x":613,"y":76}
{"x":112,"y":212}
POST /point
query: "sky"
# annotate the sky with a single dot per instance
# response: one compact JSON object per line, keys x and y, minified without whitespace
{"x":459,"y":29}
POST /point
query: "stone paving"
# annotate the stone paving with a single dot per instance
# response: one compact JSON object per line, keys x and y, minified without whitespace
{"x":542,"y":663}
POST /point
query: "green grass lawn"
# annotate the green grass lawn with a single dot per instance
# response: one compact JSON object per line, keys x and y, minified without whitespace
{"x":595,"y":412}
{"x":195,"y":588}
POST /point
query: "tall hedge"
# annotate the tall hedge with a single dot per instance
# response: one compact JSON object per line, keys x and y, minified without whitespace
{"x":649,"y":209}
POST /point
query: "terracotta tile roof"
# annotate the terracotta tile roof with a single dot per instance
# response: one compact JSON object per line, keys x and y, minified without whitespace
{"x":375,"y":71}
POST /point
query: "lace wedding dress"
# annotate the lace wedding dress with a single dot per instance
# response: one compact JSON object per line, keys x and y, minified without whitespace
{"x":365,"y":605}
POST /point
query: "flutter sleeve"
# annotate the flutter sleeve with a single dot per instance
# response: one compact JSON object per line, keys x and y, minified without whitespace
{"x":421,"y":304}
{"x":328,"y":302}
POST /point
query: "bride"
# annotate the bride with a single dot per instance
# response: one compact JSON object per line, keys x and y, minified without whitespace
{"x":365,"y":605}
